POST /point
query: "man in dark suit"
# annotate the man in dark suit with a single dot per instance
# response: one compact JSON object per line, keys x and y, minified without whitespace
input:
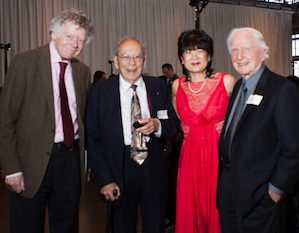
{"x":259,"y":147}
{"x":172,"y":149}
{"x":170,"y":75}
{"x":111,"y":147}
{"x":42,"y":112}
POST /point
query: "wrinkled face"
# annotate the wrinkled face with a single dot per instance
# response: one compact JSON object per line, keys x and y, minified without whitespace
{"x":195,"y":61}
{"x":247,"y":57}
{"x":130,"y":61}
{"x":167,"y":72}
{"x":70,"y":41}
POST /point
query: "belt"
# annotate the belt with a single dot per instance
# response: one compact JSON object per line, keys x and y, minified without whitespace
{"x":63,"y":148}
{"x":226,"y":165}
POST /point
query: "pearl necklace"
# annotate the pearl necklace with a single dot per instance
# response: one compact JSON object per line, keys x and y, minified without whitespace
{"x":195,"y":92}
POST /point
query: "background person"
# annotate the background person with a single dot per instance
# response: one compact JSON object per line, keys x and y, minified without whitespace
{"x":170,"y":75}
{"x":98,"y":76}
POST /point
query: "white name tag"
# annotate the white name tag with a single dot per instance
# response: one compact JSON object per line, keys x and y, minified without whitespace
{"x":254,"y":99}
{"x":162,"y":114}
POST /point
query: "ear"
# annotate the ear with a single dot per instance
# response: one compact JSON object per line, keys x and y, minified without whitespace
{"x":182,"y":60}
{"x":264,"y":54}
{"x":115,"y":61}
{"x":209,"y":58}
{"x":144,"y":61}
{"x":53,"y":36}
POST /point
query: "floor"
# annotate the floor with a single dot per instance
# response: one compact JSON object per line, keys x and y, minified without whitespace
{"x":92,"y":214}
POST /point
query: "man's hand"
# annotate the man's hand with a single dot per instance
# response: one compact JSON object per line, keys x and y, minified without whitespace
{"x":107,"y":191}
{"x":151,"y":126}
{"x":275,"y":197}
{"x":16,"y":183}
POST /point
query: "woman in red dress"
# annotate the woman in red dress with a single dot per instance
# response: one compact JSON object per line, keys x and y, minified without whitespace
{"x":201,"y":100}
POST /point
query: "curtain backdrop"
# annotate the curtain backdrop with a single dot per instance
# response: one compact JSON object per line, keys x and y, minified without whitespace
{"x":24,"y":24}
{"x":275,"y":25}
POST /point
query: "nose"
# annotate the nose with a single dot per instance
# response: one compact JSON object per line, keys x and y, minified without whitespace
{"x":75,"y":43}
{"x":194,"y":55}
{"x":240,"y":54}
{"x":132,"y":61}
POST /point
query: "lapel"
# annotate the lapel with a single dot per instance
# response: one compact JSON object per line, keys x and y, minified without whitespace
{"x":114,"y":108}
{"x":45,"y":75}
{"x":152,"y":96}
{"x":260,"y":90}
{"x":78,"y":86}
{"x":230,"y":105}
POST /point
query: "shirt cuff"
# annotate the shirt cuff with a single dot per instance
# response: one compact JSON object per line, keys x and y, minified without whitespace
{"x":13,"y":175}
{"x":159,"y":132}
{"x":276,"y":190}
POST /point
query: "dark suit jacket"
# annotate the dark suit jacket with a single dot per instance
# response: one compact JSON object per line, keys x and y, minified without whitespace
{"x":265,"y":147}
{"x":27,"y":123}
{"x":171,"y":81}
{"x":105,"y":141}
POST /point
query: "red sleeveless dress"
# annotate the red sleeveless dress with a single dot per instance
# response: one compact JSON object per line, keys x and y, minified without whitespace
{"x":202,"y":116}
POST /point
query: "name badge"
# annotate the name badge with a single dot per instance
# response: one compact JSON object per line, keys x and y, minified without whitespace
{"x":162,"y":114}
{"x":254,"y":99}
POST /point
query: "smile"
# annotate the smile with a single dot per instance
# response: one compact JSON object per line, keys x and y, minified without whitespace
{"x":133,"y":70}
{"x":243,"y":64}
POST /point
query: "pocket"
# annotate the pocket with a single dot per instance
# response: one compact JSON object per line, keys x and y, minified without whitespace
{"x":267,"y":201}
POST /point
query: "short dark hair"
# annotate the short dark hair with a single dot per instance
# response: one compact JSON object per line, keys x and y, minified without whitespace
{"x":163,"y":77}
{"x":167,"y":65}
{"x":98,"y":76}
{"x":192,"y":40}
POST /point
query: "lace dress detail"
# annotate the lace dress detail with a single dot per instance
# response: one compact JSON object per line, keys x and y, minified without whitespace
{"x":202,"y":116}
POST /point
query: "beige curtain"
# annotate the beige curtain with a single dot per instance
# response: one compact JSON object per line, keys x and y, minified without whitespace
{"x":24,"y":24}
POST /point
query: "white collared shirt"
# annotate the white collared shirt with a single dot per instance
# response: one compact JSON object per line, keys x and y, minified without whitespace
{"x":71,"y":94}
{"x":126,"y":93}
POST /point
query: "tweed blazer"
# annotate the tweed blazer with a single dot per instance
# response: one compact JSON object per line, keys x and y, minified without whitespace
{"x":27,"y":122}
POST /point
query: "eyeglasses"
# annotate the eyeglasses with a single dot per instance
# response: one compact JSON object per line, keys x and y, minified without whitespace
{"x":126,"y":58}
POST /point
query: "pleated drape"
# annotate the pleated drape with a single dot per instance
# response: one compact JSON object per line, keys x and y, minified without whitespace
{"x":24,"y":24}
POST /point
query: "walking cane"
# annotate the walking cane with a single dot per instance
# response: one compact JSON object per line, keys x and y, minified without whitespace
{"x":109,"y":211}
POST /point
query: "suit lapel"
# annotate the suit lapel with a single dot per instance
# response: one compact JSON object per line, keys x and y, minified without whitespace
{"x":231,"y":102}
{"x":258,"y":90}
{"x":78,"y":88}
{"x":114,"y":108}
{"x":153,"y":96}
{"x":45,"y":75}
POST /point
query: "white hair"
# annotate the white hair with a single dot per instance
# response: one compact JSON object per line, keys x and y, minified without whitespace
{"x":257,"y":34}
{"x":71,"y":15}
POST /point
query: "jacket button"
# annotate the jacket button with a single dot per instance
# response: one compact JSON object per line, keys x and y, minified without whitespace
{"x":48,"y":153}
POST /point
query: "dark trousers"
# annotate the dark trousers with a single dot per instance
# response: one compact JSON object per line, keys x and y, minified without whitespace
{"x":267,"y":217}
{"x":139,"y":187}
{"x":60,"y":190}
{"x":173,"y":150}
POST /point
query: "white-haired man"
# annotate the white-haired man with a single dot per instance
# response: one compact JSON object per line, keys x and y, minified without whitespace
{"x":258,"y":147}
{"x":42,"y":111}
